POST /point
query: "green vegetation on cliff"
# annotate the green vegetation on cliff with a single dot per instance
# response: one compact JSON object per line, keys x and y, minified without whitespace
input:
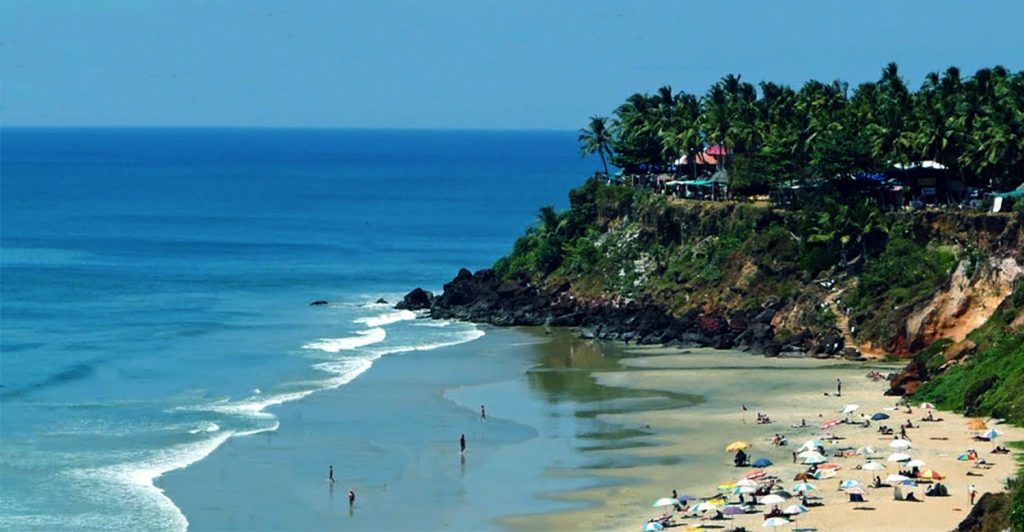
{"x":843,"y":261}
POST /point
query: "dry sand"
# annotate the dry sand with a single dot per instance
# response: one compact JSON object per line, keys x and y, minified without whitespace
{"x":788,"y":390}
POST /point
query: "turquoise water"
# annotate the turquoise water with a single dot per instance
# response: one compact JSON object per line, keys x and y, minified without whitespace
{"x":155,"y":288}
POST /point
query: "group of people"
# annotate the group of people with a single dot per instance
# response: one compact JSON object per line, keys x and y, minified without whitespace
{"x":352,"y":493}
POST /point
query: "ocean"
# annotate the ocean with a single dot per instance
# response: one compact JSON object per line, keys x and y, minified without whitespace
{"x":155,"y":288}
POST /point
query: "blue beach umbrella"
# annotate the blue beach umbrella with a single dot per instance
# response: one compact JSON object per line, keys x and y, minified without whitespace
{"x":879,"y":416}
{"x":848,"y":484}
{"x":653,"y":527}
{"x":762,"y":462}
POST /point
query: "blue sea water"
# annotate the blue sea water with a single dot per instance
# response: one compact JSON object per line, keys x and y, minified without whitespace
{"x":155,"y":287}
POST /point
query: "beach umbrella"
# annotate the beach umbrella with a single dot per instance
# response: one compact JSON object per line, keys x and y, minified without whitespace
{"x":803,"y":476}
{"x":775,"y":522}
{"x":964,"y":457}
{"x":929,"y":406}
{"x":653,"y":526}
{"x":915,"y":463}
{"x":795,"y":509}
{"x":665,"y":501}
{"x":898,"y":457}
{"x":930,"y":474}
{"x":737,"y":446}
{"x":803,"y":487}
{"x":773,"y":499}
{"x":846,"y":484}
{"x":873,"y":466}
{"x":746,"y":482}
{"x":900,"y":444}
{"x":976,"y":424}
{"x":717,"y":501}
{"x":866,"y":450}
{"x":810,"y":445}
{"x":849,"y":409}
{"x":757,"y":473}
{"x":703,"y":507}
{"x":726,"y":486}
{"x":810,"y":460}
{"x":879,"y":416}
{"x":829,"y":465}
{"x":830,"y":423}
{"x":856,"y":490}
{"x":809,"y":452}
{"x":733,"y":510}
{"x":762,"y":462}
{"x":743,"y":490}
{"x":896,"y":478}
{"x":822,"y":474}
{"x":991,"y":434}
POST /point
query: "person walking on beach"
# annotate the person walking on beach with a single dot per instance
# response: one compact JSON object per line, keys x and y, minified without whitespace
{"x":330,"y":474}
{"x":483,"y":413}
{"x":351,"y":498}
{"x":462,"y":444}
{"x":839,"y":388}
{"x":972,"y":492}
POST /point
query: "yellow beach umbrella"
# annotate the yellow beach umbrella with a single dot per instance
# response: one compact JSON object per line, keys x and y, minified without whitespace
{"x":976,"y":424}
{"x":727,"y":485}
{"x":737,"y":446}
{"x":930,"y":474}
{"x":717,"y":502}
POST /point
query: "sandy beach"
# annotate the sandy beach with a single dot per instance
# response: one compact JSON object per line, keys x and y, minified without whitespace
{"x":787,"y":390}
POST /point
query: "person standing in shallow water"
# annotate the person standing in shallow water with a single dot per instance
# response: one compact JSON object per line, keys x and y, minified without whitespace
{"x":839,"y":387}
{"x":462,"y":444}
{"x":330,"y":474}
{"x":483,"y":413}
{"x":351,"y":498}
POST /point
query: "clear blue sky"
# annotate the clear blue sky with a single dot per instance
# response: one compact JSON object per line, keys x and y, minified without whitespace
{"x":453,"y":64}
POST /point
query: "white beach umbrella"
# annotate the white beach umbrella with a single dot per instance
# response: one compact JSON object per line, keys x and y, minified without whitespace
{"x":773,"y":499}
{"x":703,"y":507}
{"x":873,"y":466}
{"x":823,"y":474}
{"x":653,"y":526}
{"x":896,"y":478}
{"x":803,"y":487}
{"x":807,"y":453}
{"x":794,"y":509}
{"x":819,"y":459}
{"x":810,"y":445}
{"x":928,"y":406}
{"x":849,"y":409}
{"x":851,"y":483}
{"x":665,"y":501}
{"x":743,"y":490}
{"x":776,"y":522}
{"x":915,"y":463}
{"x":898,"y":457}
{"x":900,"y":444}
{"x":746,"y":482}
{"x":865,"y":451}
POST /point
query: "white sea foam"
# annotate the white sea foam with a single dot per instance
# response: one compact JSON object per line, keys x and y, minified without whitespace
{"x":435,"y":323}
{"x":361,"y":339}
{"x":209,"y":427}
{"x":463,"y":337}
{"x":387,"y":318}
{"x":138,"y":477}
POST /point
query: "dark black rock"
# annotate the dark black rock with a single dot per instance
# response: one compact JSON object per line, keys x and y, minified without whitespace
{"x":382,"y":301}
{"x":318,"y":303}
{"x":417,"y":299}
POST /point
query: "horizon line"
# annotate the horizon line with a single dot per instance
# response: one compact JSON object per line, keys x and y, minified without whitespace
{"x":290,"y":128}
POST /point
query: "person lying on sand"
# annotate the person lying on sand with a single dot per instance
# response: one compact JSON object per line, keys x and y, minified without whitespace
{"x":1000,"y":450}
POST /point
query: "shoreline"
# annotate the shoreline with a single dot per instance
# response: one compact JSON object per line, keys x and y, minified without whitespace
{"x":627,"y":507}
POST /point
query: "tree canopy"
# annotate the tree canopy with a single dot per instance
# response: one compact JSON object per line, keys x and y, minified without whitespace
{"x":771,"y":133}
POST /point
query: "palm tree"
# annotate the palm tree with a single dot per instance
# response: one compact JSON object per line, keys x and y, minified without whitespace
{"x":684,"y":133}
{"x":596,"y":138}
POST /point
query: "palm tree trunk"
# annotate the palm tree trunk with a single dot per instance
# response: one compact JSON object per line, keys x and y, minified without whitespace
{"x":603,"y":163}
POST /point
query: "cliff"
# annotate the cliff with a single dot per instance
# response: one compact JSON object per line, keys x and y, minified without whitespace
{"x":838,"y":278}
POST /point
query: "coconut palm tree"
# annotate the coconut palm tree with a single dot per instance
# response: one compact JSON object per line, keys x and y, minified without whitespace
{"x":597,"y":138}
{"x":684,"y":134}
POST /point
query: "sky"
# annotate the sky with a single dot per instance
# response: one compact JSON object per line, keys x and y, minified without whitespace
{"x":453,"y":64}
